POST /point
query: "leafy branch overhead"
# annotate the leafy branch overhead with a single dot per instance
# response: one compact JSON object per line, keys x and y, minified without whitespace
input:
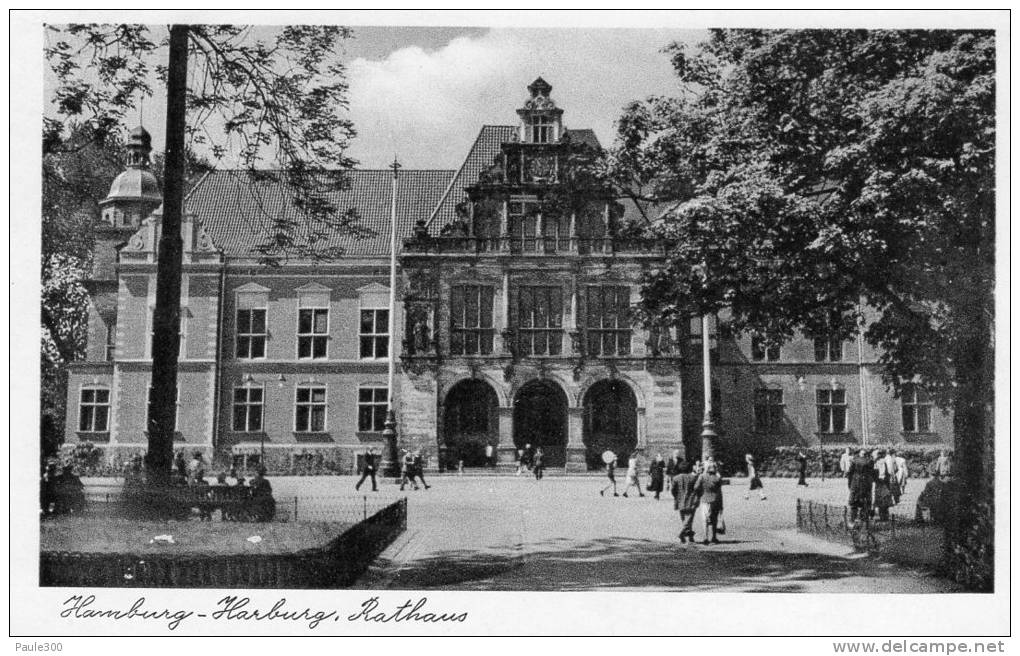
{"x":268,"y":104}
{"x":810,"y":177}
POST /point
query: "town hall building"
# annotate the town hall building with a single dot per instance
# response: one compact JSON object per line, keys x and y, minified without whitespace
{"x":513,"y":327}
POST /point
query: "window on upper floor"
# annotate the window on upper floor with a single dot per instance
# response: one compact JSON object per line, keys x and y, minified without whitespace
{"x":541,"y":129}
{"x":830,"y":405}
{"x":94,"y":409}
{"x":374,"y":334}
{"x":249,"y":404}
{"x":111,"y":340}
{"x":540,"y":320}
{"x":768,"y":410}
{"x":373,"y":403}
{"x":828,"y":349}
{"x":607,"y":320}
{"x":916,"y":407}
{"x":522,"y":224}
{"x":310,"y":409}
{"x":760,"y":352}
{"x":251,"y":333}
{"x":313,"y":333}
{"x":471,"y":329}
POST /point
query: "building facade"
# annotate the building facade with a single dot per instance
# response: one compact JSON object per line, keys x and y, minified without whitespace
{"x":513,"y":327}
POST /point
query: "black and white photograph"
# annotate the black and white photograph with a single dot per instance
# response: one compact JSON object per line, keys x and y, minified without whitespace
{"x":350,"y":319}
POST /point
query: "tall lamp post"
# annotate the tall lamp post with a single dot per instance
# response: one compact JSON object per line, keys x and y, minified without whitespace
{"x":708,"y":434}
{"x":389,"y":463}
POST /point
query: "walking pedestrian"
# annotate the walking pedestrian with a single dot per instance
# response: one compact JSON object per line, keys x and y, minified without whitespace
{"x":656,"y":474}
{"x":539,"y":464}
{"x":368,"y":469}
{"x":902,"y":471}
{"x":943,"y":466}
{"x":802,"y":468}
{"x":883,"y":487}
{"x":522,"y":461}
{"x":685,"y":499}
{"x":844,"y":462}
{"x":490,"y":451}
{"x":859,"y":478}
{"x":892,"y":467}
{"x":752,"y":476}
{"x":633,"y":478}
{"x":610,"y":459}
{"x":407,"y":471}
{"x":418,"y":468}
{"x":709,"y":488}
{"x":673,"y":464}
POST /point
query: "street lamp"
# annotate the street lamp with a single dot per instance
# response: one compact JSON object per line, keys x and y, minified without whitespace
{"x":390,"y":425}
{"x":708,"y":434}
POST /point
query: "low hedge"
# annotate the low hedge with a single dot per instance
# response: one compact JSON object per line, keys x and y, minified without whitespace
{"x":781,"y":462}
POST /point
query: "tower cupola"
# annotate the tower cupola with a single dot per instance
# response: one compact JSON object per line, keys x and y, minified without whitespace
{"x":541,"y":119}
{"x":134,"y":193}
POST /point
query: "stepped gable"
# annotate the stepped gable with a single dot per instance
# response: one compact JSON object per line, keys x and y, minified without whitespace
{"x":237,"y":208}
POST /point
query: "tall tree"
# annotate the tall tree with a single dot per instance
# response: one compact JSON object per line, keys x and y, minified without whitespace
{"x":811,"y":174}
{"x":247,"y":100}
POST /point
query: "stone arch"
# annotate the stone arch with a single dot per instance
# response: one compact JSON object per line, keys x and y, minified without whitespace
{"x":592,"y":380}
{"x":470,"y":420}
{"x":540,"y":418}
{"x":609,"y":420}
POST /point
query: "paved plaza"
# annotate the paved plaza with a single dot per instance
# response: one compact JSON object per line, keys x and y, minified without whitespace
{"x":516,"y":533}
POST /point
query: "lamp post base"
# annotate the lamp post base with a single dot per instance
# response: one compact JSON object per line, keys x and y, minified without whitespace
{"x":708,"y":439}
{"x":389,"y":465}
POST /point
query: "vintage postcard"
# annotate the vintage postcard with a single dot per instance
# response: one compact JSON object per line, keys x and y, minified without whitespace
{"x":478,"y":323}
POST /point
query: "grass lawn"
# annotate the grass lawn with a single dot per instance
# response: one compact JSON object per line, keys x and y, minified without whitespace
{"x":92,"y":535}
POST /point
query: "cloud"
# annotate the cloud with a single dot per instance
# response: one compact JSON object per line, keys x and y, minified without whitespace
{"x":428,"y":105}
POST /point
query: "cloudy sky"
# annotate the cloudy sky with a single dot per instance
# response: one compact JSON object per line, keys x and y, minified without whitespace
{"x":422,"y":93}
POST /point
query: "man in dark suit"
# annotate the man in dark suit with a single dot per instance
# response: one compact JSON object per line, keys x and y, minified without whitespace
{"x":859,"y":480}
{"x":685,"y":499}
{"x":709,"y":487}
{"x":368,"y":468}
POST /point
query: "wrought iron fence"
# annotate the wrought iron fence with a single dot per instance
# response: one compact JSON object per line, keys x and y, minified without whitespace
{"x":337,"y":564}
{"x":900,"y":538}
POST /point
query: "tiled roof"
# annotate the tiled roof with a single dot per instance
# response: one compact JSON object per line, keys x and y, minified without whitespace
{"x":480,"y":157}
{"x":238,"y":210}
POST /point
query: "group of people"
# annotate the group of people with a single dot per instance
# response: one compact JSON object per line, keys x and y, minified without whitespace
{"x":876,"y":481}
{"x":532,"y":460}
{"x":61,"y":493}
{"x":412,"y":467}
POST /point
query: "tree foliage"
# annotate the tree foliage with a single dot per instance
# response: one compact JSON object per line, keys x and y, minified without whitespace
{"x":810,"y":174}
{"x":273,"y":107}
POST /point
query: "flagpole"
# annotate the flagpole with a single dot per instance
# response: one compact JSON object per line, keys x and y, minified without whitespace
{"x":390,"y":426}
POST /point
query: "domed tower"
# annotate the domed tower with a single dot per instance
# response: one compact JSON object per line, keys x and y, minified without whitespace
{"x":133,"y":196}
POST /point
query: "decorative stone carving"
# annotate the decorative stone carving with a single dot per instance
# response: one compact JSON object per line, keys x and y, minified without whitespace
{"x":136,"y":243}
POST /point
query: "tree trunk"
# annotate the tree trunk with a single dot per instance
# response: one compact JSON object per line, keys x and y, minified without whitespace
{"x":166,"y":316}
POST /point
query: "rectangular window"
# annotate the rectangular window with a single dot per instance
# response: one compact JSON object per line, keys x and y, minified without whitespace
{"x":111,"y":340}
{"x":251,"y":333}
{"x":541,"y":129}
{"x":607,"y":321}
{"x":375,"y":334}
{"x":248,"y":409}
{"x":540,"y":320}
{"x":471,"y":329}
{"x":762,"y":353}
{"x":372,"y":406}
{"x":94,"y":410}
{"x":310,"y":410}
{"x":313,"y":331}
{"x":831,"y":407}
{"x":917,"y":407}
{"x":828,"y":349}
{"x":768,"y":410}
{"x":522,"y":223}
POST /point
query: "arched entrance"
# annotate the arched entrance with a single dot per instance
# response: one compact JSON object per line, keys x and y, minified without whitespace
{"x":540,"y":419}
{"x":610,"y":421}
{"x":470,"y":421}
